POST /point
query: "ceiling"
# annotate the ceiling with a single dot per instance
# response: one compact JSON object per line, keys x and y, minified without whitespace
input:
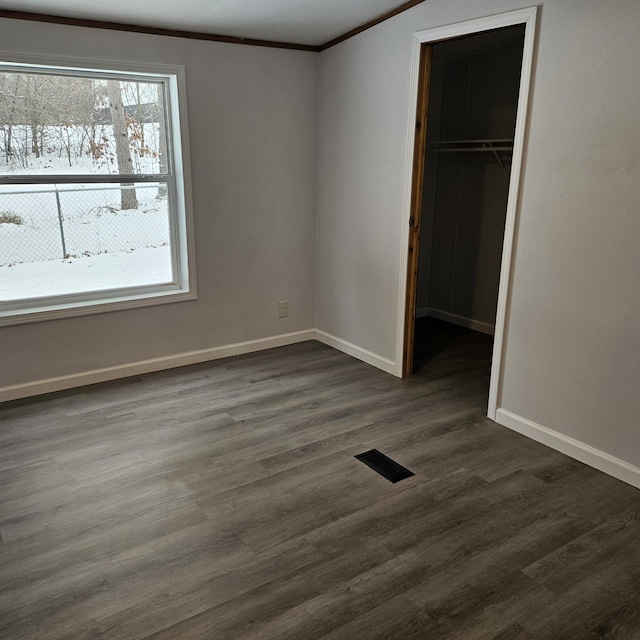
{"x":308,"y":22}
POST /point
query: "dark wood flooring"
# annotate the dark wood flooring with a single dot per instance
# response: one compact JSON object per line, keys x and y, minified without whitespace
{"x":223,"y":501}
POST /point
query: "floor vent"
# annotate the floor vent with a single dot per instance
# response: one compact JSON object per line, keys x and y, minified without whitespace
{"x":385,"y":466}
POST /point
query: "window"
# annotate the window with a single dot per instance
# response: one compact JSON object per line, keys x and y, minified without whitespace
{"x":94,"y":210}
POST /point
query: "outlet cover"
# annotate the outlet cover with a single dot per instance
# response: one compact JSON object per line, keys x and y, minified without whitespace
{"x":283,"y":309}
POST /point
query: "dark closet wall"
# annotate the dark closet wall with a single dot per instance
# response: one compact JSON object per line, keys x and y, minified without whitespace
{"x":473,"y":96}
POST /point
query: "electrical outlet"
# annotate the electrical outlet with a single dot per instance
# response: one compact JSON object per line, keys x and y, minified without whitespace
{"x":283,"y":309}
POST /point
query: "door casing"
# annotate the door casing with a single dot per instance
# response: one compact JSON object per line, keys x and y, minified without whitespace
{"x":420,"y":76}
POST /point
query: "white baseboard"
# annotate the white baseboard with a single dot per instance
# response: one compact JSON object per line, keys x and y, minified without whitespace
{"x":574,"y":448}
{"x":357,"y":352}
{"x":469,"y":323}
{"x":61,"y":383}
{"x":422,"y":312}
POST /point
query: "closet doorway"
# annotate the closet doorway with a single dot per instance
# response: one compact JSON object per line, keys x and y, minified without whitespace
{"x":469,"y":92}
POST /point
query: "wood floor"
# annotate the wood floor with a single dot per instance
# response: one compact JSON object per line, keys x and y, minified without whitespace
{"x":223,"y":501}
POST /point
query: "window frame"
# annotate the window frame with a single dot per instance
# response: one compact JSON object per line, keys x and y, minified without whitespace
{"x":177,"y":180}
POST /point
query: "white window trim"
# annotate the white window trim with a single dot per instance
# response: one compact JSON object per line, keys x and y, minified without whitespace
{"x":184,"y":287}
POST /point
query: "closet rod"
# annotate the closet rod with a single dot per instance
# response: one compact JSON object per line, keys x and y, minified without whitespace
{"x":479,"y":141}
{"x":465,"y":149}
{"x":492,"y":145}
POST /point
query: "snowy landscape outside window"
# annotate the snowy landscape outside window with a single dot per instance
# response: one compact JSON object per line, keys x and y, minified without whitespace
{"x":92,"y":191}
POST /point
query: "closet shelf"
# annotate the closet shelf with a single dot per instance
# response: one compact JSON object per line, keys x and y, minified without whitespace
{"x":489,"y":145}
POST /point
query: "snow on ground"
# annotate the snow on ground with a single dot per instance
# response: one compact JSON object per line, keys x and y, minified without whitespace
{"x":92,"y":222}
{"x":104,"y":247}
{"x":93,"y":273}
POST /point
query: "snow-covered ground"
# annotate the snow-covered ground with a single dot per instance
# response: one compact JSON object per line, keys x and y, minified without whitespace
{"x":93,"y":273}
{"x":91,"y":222}
{"x":104,"y":247}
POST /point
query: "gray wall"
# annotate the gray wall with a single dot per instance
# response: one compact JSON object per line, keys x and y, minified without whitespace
{"x":573,"y":323}
{"x":252,"y":117}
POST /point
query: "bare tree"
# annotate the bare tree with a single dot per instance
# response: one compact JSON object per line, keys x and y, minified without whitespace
{"x":162,"y":140}
{"x":9,"y":91}
{"x":42,"y":115}
{"x":34,"y":106}
{"x":128,"y":198}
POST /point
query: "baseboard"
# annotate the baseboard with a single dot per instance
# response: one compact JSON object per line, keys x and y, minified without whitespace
{"x":61,"y":383}
{"x":574,"y":448}
{"x":422,"y":312}
{"x":469,"y":323}
{"x":357,"y":352}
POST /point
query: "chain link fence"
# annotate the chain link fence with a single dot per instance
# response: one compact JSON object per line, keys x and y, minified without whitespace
{"x":71,"y":221}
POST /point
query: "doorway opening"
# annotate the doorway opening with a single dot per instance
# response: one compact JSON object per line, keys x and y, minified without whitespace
{"x":469,"y":134}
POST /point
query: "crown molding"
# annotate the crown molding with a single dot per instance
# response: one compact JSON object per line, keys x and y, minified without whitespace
{"x":198,"y":35}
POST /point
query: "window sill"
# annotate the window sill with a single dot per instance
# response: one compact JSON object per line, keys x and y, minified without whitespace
{"x":63,"y":310}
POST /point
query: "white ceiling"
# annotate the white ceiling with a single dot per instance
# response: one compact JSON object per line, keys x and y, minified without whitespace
{"x":311,"y":22}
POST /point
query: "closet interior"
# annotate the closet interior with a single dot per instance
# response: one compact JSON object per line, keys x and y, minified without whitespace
{"x":473,"y":99}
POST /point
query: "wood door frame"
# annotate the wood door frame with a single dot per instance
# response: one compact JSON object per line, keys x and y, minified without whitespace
{"x":415,"y":214}
{"x":415,"y":178}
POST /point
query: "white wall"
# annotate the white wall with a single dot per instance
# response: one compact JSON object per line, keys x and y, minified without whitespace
{"x":571,"y":363}
{"x":362,"y":133}
{"x":252,"y":117}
